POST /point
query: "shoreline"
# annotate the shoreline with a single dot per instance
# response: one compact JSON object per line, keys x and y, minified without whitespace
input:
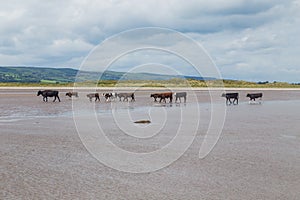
{"x":149,"y":88}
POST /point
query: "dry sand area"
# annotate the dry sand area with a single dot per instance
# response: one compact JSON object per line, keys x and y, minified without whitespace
{"x":256,"y":157}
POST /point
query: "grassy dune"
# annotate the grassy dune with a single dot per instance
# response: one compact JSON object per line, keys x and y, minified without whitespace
{"x":158,"y":83}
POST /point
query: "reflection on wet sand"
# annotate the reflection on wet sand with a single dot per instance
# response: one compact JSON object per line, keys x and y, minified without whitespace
{"x":256,"y":157}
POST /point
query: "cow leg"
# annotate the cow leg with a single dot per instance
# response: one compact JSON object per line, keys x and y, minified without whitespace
{"x":184,"y":99}
{"x":230,"y":102}
{"x":54,"y":99}
{"x":234,"y":100}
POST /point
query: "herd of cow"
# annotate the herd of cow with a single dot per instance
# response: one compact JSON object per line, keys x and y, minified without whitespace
{"x":231,"y":98}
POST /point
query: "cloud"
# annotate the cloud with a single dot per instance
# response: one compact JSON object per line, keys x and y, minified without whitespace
{"x":246,"y":39}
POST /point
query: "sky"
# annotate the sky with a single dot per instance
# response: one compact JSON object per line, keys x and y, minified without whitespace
{"x":247,"y":40}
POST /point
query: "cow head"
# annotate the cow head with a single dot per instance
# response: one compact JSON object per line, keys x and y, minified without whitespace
{"x":39,"y":93}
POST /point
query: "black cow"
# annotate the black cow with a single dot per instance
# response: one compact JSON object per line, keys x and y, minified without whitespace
{"x":229,"y":96}
{"x":48,"y":93}
{"x":178,"y":95}
{"x":162,"y":96}
{"x":254,"y":96}
{"x":155,"y":96}
{"x":70,"y":94}
{"x":109,"y":96}
{"x":93,"y":95}
{"x":125,"y":96}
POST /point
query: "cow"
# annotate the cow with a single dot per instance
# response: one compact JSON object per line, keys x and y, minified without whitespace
{"x":254,"y":96}
{"x":178,"y":95}
{"x":229,"y":96}
{"x":155,"y":96}
{"x":125,"y":96}
{"x":48,"y":93}
{"x":70,"y":94}
{"x":93,"y":95}
{"x":162,"y":96}
{"x":109,"y":96}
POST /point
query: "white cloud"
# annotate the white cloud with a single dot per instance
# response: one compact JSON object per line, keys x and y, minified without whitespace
{"x":251,"y":40}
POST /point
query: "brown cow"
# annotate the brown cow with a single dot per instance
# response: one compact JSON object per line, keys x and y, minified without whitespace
{"x":163,"y":96}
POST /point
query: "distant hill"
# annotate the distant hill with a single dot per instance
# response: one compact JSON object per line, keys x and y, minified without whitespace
{"x":66,"y":75}
{"x":36,"y":75}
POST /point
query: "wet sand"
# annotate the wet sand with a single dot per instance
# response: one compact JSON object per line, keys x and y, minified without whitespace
{"x":256,"y":157}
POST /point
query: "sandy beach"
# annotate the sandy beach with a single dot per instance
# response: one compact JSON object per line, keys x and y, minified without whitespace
{"x":256,"y":157}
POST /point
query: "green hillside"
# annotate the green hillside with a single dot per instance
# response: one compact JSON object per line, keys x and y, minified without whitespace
{"x":68,"y":75}
{"x":34,"y":76}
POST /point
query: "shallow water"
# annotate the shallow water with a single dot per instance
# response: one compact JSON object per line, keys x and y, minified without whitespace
{"x":24,"y":104}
